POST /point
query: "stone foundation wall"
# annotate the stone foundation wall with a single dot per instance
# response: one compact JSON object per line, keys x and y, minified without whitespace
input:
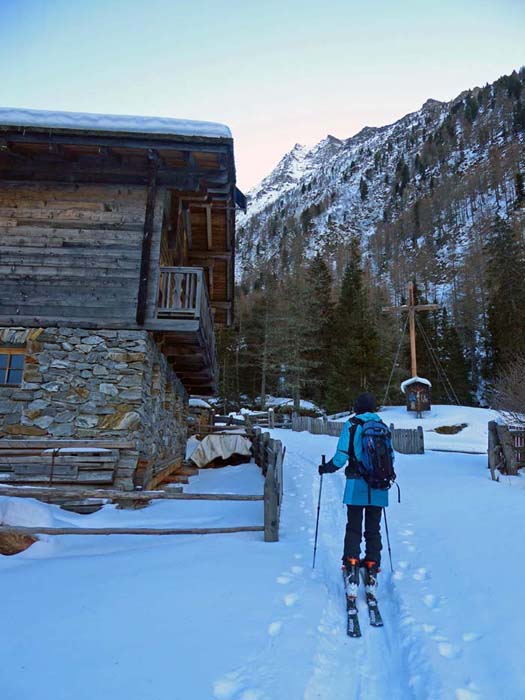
{"x":86,"y":384}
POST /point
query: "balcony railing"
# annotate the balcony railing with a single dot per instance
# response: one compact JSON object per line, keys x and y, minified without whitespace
{"x":183,"y":294}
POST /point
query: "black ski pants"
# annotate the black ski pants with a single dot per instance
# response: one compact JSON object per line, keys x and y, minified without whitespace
{"x":353,"y":534}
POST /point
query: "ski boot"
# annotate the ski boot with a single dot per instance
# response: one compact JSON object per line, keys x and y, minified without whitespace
{"x":370,"y":572}
{"x":351,"y":574}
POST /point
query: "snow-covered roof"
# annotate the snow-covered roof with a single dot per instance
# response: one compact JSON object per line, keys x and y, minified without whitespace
{"x":199,"y":403}
{"x":414,"y":380}
{"x":111,"y":123}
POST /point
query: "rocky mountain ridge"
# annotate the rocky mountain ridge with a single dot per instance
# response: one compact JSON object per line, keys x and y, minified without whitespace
{"x":417,"y":192}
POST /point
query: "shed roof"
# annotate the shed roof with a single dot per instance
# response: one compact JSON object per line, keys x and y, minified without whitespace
{"x":112,"y":123}
{"x":414,"y":380}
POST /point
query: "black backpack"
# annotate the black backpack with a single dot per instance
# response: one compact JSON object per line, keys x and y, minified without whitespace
{"x":376,"y":466}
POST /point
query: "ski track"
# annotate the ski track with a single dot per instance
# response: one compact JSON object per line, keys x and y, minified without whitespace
{"x":386,"y":662}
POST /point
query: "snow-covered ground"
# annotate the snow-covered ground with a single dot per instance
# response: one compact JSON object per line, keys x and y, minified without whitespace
{"x":472,"y":438}
{"x":232,"y":618}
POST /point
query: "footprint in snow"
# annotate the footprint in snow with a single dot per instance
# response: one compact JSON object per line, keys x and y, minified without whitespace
{"x":471,"y":636}
{"x":430,"y":601}
{"x":398,"y":575}
{"x":298,"y":556}
{"x":283,"y":580}
{"x":467,"y":694}
{"x":224,"y":688}
{"x":251,"y":694}
{"x":449,"y":651}
{"x":290,"y":599}
{"x":274,"y":628}
{"x":421,"y":575}
{"x":297,"y":569}
{"x":406,"y":533}
{"x":404,"y":565}
{"x":429,"y":629}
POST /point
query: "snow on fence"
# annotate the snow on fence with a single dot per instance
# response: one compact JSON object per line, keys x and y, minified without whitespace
{"x":405,"y":440}
{"x":506,"y":449}
{"x":269,"y":455}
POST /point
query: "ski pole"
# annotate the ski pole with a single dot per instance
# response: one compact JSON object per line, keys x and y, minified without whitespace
{"x":323,"y":461}
{"x":388,"y":540}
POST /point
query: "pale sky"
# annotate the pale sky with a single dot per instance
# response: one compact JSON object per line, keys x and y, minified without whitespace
{"x":277,"y":72}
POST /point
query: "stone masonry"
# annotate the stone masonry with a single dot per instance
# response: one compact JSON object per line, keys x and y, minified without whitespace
{"x":84,"y":384}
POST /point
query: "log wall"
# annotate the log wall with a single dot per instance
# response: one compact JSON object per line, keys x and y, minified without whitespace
{"x":52,"y":234}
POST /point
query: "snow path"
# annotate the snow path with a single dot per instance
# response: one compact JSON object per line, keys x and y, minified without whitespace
{"x":233,"y":618}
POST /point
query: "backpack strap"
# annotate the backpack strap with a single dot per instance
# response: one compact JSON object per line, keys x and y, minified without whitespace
{"x":351,"y":469}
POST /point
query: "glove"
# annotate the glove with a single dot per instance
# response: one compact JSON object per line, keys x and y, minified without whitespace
{"x":327,"y":468}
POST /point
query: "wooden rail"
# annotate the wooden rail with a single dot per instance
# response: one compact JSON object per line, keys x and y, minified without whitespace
{"x":116,"y":495}
{"x":183,"y":294}
{"x":180,"y":290}
{"x":11,"y":529}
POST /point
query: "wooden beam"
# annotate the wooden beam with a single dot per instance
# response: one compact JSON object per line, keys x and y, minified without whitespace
{"x":186,"y":218}
{"x":118,"y":495}
{"x":209,"y":240}
{"x":8,"y":529}
{"x":146,"y":244}
{"x":49,"y":443}
{"x":193,"y":144}
{"x":208,"y":255}
{"x":101,"y":171}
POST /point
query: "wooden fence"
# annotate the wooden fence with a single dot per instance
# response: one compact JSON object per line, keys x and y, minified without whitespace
{"x":404,"y":440}
{"x":506,"y":449}
{"x":408,"y":441}
{"x":269,"y":455}
{"x":317,"y":426}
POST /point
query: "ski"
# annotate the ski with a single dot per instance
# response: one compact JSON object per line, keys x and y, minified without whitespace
{"x":373,"y":609}
{"x":353,"y":628}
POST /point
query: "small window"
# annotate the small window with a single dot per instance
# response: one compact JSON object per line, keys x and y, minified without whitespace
{"x":11,"y":366}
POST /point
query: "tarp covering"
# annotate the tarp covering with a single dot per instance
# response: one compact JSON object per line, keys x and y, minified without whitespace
{"x":223,"y":446}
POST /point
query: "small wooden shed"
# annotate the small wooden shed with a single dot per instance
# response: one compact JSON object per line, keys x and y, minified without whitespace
{"x":418,"y":394}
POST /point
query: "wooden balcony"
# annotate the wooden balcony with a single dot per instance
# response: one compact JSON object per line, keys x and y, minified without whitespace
{"x":184,"y":327}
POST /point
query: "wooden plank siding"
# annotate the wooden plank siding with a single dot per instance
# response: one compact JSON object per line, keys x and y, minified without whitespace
{"x":51,"y":234}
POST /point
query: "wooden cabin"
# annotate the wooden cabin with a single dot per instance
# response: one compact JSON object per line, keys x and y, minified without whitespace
{"x":418,"y":394}
{"x":117,"y":259}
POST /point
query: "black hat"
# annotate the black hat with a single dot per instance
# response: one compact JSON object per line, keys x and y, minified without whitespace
{"x":365,"y":403}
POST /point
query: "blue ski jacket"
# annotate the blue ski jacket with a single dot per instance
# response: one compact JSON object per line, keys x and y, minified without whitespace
{"x":356,"y":489}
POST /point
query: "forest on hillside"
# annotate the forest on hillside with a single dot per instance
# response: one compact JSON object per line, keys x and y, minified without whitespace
{"x":447,"y":190}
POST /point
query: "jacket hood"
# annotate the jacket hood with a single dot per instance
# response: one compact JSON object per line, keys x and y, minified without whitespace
{"x":367,"y":416}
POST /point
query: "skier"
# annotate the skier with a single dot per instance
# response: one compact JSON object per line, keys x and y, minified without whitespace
{"x":359,"y":497}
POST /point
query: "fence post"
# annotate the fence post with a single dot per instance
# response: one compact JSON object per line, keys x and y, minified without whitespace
{"x":420,"y":441}
{"x":271,"y":418}
{"x":507,"y":446}
{"x":273,"y":485}
{"x":493,"y":450}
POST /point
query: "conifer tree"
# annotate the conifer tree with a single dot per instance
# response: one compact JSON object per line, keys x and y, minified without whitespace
{"x":506,"y":293}
{"x":319,"y":309}
{"x":356,"y":361}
